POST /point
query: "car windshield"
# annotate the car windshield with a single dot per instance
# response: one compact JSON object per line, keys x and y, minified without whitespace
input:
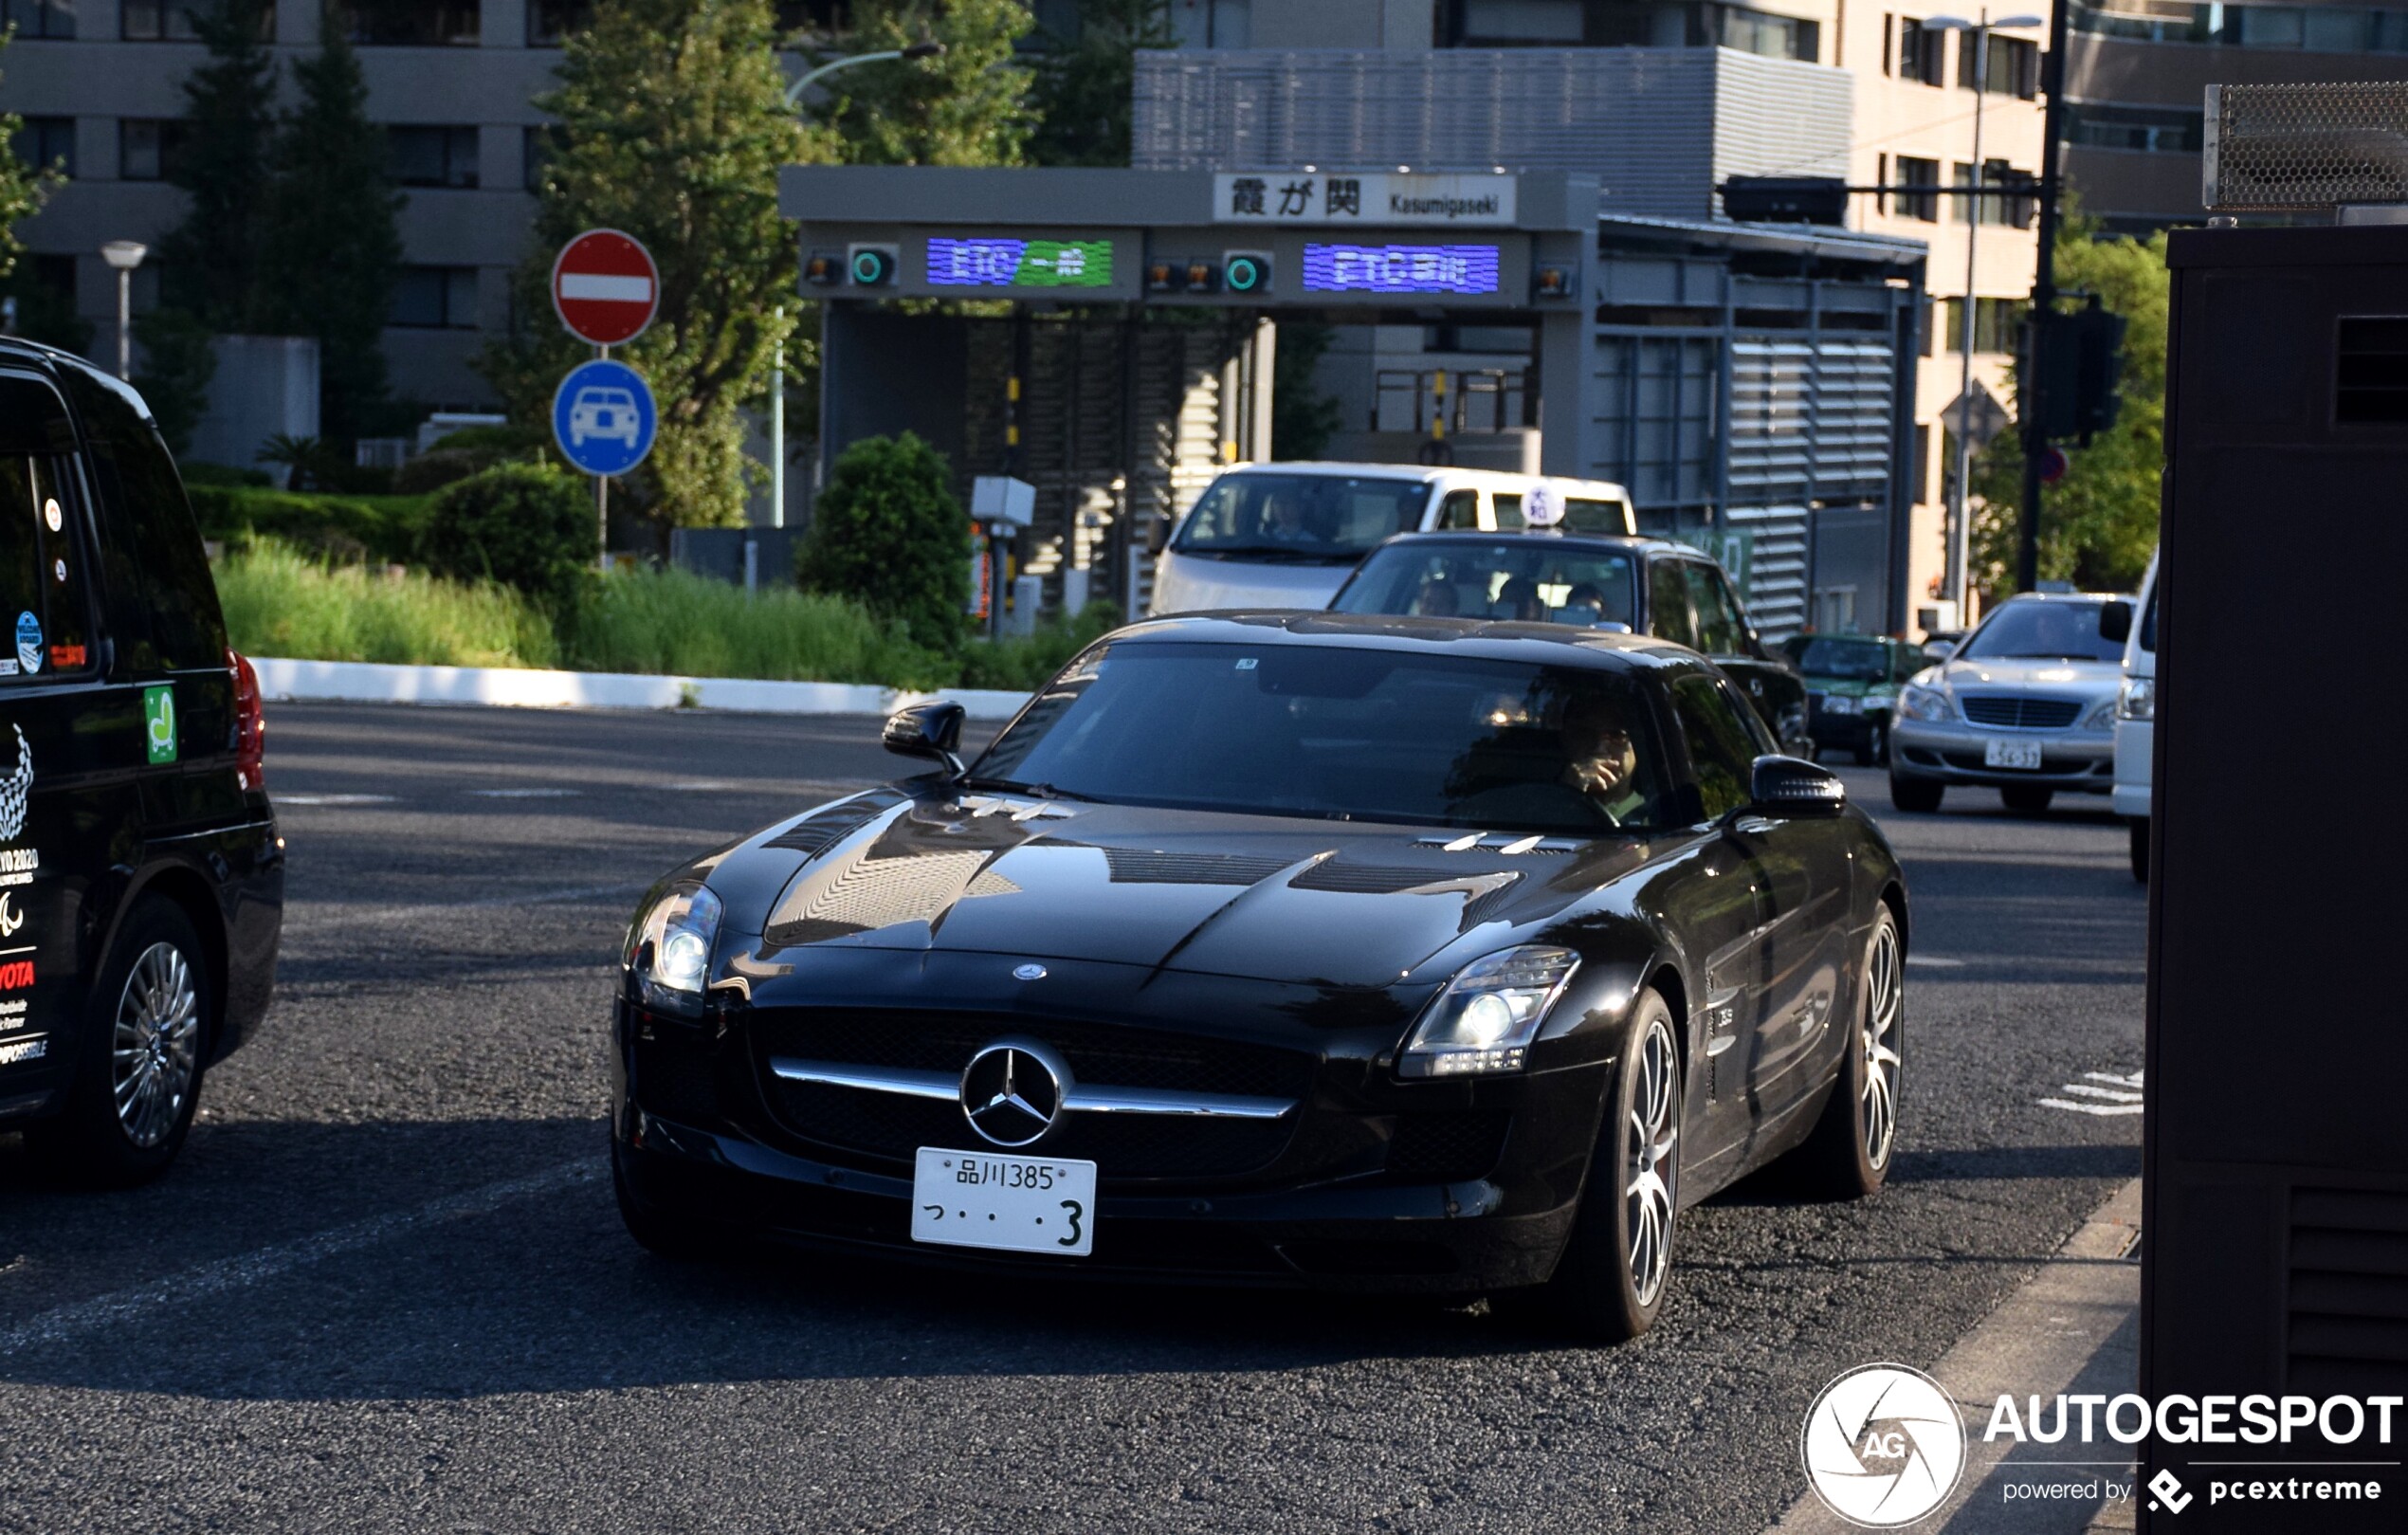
{"x":1528,"y":576}
{"x":1315,"y":518}
{"x":1853,"y":661}
{"x":2041,"y":632}
{"x":1339,"y":734}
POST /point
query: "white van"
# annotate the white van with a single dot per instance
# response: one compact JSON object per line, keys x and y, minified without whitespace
{"x":2136,"y":723}
{"x":1288,"y":535}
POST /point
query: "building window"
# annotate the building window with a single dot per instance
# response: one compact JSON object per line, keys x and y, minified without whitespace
{"x":148,"y":148}
{"x":1996,"y":323}
{"x":1918,"y":205}
{"x":378,"y":24}
{"x":424,"y":156}
{"x":170,"y":21}
{"x":1923,"y":53}
{"x":2011,"y":211}
{"x":47,"y":143}
{"x":435,"y":298}
{"x":1596,"y":23}
{"x":2014,"y":65}
{"x":2163,"y":130}
{"x":2315,"y":30}
{"x":39,"y":18}
{"x":534,"y":155}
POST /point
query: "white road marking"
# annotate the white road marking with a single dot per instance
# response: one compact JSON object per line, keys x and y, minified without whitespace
{"x":2103,"y":1110}
{"x":1933,"y":961}
{"x":268,"y":1263}
{"x":526,"y":793}
{"x":2111,"y":1094}
{"x":331,"y":799}
{"x":2123,"y":1094}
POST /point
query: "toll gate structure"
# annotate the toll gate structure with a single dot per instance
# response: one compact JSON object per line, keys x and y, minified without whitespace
{"x":1110,"y":335}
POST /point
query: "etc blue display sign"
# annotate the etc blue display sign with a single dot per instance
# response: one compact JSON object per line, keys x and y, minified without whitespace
{"x":603,"y":417}
{"x":1334,"y":268}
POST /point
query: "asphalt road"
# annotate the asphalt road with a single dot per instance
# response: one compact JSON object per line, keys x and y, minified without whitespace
{"x":386,"y":1289}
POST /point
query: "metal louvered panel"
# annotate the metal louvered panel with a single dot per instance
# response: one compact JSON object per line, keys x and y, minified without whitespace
{"x":1659,"y":126}
{"x":1810,"y":419}
{"x":2347,"y":1291}
{"x":1776,"y":592}
{"x":2278,"y":147}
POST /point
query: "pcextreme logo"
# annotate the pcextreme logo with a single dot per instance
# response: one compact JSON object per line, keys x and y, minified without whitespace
{"x":1883,"y":1446}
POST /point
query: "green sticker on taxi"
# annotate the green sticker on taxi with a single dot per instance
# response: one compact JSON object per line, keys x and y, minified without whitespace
{"x":158,"y":722}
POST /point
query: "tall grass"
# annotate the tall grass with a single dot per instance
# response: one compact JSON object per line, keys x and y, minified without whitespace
{"x":677,"y":622}
{"x":282,"y":602}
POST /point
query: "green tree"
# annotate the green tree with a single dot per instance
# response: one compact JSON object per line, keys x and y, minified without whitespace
{"x":21,"y":191}
{"x":209,"y":264}
{"x":1303,"y":418}
{"x":887,"y":533}
{"x":671,"y":124}
{"x":1086,"y":80}
{"x":178,"y":360}
{"x":968,"y":105}
{"x":333,"y":248}
{"x":2098,"y":523}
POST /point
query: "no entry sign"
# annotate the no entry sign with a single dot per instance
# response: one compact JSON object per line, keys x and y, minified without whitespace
{"x":605,"y":287}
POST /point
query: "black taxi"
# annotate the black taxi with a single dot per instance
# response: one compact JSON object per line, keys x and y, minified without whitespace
{"x":141,"y":875}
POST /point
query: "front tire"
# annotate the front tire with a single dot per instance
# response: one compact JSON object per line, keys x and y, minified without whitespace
{"x":1918,"y":796}
{"x":1608,"y":1286}
{"x":137,"y":1059}
{"x":1876,"y":751}
{"x":2140,"y":849}
{"x":1847,"y":1155}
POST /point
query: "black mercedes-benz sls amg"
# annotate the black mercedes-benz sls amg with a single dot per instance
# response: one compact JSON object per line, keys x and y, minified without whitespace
{"x":1401,"y":954}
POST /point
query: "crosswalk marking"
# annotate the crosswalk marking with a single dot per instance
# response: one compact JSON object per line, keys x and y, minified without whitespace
{"x":2122,"y":1096}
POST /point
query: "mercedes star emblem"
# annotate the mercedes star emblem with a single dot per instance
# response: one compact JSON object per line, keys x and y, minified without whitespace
{"x":1012,"y":1091}
{"x":1028,"y":972}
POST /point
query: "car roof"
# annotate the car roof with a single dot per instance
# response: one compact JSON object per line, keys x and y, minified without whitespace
{"x":1426,"y":474}
{"x":1554,"y":645}
{"x":1625,"y":542}
{"x":2062,"y":596}
{"x":17,"y":349}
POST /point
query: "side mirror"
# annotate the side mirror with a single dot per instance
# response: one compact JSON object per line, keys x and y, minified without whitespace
{"x":926,"y":730}
{"x":1938,"y":650}
{"x":1791,"y":786}
{"x":2115,"y":622}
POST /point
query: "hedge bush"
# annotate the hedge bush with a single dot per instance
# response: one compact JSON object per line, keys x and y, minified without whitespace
{"x":887,"y":533}
{"x":387,"y":529}
{"x":526,"y":525}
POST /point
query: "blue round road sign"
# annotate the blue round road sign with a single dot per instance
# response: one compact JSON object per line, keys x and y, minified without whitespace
{"x":603,"y":417}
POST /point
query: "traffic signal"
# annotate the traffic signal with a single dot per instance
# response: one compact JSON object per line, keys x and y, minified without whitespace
{"x":873,"y":267}
{"x":1203,"y":277}
{"x":823,"y":270}
{"x":2075,"y":362}
{"x":1245,"y":271}
{"x":1786,"y":199}
{"x":1161,"y":277}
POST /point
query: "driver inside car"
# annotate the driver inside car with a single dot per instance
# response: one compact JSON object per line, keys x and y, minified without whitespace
{"x":1601,"y":762}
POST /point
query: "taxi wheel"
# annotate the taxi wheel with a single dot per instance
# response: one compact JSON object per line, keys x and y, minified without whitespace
{"x":1608,"y":1286}
{"x":137,"y":1060}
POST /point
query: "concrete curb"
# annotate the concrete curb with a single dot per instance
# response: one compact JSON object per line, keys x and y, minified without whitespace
{"x":514,"y":688}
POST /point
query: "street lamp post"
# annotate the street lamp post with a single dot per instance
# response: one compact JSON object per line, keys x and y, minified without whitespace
{"x":777,"y":367}
{"x":124,"y":255}
{"x":1960,"y":499}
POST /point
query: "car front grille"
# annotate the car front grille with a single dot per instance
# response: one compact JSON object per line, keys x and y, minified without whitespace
{"x":2014,"y":711}
{"x":890,"y":1127}
{"x":1447,"y":1147}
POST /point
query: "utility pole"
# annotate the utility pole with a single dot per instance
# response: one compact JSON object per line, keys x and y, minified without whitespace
{"x":2044,"y":298}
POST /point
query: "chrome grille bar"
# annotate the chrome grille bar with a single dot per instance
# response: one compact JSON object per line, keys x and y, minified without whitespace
{"x":1083,"y":1098}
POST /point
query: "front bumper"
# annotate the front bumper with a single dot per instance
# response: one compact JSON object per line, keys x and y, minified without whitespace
{"x":1358,"y":1198}
{"x":1951,"y":751}
{"x":1837,"y":731}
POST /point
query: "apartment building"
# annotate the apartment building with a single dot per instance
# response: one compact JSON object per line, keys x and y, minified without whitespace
{"x":1916,"y":99}
{"x":2137,"y":73}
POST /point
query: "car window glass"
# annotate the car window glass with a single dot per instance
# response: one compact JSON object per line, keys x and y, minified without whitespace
{"x":1506,"y":505}
{"x":2149,"y":622}
{"x":139,"y":483}
{"x":1513,"y":577}
{"x":1583,"y":514}
{"x":1301,"y":516}
{"x":1846,"y":660}
{"x":1460,"y":510}
{"x":1360,"y":735}
{"x":1723,"y":749}
{"x":44,"y":619}
{"x":1668,"y":603}
{"x":1719,"y":628}
{"x":2028,"y":628}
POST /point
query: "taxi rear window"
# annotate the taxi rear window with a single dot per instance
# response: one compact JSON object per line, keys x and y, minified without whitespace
{"x":45,"y":620}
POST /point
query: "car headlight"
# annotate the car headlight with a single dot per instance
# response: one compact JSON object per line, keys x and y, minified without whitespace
{"x":2100,"y":716}
{"x":1485,"y":1018}
{"x":2137,"y":699}
{"x":1838,"y":703}
{"x":1923,"y":702}
{"x":669,"y":947}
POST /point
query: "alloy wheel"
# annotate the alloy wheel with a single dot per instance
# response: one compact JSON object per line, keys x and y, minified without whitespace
{"x":154,"y":1049}
{"x":1878,"y":1039}
{"x":1650,"y":1167}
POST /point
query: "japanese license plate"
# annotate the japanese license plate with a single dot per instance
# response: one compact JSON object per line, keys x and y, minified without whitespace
{"x":2011,"y":753}
{"x":1020,"y":1204}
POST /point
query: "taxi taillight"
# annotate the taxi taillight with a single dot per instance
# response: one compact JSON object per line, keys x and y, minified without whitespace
{"x":250,"y":724}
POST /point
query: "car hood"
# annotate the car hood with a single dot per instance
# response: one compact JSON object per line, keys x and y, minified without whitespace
{"x":2087,"y":679}
{"x":1271,"y":898}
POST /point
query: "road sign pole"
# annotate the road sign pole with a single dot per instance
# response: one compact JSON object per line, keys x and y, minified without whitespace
{"x":602,"y":495}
